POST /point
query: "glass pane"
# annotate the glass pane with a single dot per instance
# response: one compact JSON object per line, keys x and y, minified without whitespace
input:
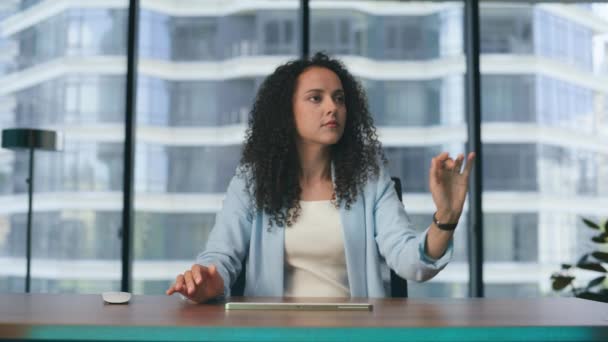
{"x":544,"y":123}
{"x":409,"y":57}
{"x":200,"y":66}
{"x":63,"y":71}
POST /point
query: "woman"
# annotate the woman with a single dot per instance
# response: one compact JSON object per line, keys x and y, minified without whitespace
{"x":312,"y":209}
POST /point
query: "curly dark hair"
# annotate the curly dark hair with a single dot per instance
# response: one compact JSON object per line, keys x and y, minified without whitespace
{"x":270,"y":158}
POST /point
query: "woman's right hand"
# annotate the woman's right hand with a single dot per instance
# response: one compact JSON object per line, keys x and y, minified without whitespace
{"x":198,"y":284}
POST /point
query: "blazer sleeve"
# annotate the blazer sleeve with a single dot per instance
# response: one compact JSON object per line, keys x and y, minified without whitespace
{"x":400,"y":245}
{"x":228,"y":241}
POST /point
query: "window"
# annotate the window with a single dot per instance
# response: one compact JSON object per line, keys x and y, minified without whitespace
{"x":508,"y":98}
{"x":395,"y":49}
{"x":541,"y":151}
{"x":78,"y":191}
{"x":192,"y":113}
{"x":544,"y":112}
{"x":506,"y":30}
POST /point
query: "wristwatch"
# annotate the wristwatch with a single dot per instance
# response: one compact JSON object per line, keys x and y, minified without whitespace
{"x":444,"y":226}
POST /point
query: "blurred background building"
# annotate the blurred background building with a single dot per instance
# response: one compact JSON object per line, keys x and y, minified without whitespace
{"x":63,"y":66}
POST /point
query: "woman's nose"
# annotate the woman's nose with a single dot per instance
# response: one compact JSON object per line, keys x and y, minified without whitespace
{"x":331,"y":106}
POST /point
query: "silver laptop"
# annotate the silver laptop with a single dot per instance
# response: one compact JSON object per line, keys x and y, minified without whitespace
{"x":299,"y":306}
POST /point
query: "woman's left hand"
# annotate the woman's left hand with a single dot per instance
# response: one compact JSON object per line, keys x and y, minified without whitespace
{"x":449,"y":185}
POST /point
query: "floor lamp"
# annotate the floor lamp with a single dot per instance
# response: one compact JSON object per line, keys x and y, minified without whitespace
{"x":30,"y":139}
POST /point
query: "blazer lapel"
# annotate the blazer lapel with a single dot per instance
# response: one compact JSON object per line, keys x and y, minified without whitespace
{"x":273,"y":252}
{"x":353,"y":223}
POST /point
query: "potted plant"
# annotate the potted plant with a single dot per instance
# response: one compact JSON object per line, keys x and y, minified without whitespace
{"x":597,"y":288}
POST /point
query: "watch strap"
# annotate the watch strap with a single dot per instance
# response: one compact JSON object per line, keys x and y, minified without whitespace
{"x":444,"y":226}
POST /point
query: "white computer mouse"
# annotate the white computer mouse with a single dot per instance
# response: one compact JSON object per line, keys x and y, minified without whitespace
{"x":116,"y":297}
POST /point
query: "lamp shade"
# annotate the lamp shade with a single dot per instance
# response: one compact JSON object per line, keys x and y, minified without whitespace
{"x":25,"y":138}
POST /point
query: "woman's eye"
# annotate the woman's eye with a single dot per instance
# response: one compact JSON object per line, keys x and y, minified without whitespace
{"x":315,"y":98}
{"x":340,"y":99}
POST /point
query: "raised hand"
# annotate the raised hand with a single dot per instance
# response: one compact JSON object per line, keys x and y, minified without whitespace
{"x":198,"y":284}
{"x":448,"y":184}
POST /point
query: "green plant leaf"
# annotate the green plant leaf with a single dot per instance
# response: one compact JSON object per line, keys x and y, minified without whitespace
{"x":560,"y":281}
{"x":606,"y":226}
{"x":566,"y":266}
{"x":601,"y":256}
{"x":592,"y":266}
{"x":600,"y":238}
{"x":591,"y":224}
{"x":593,"y":296}
{"x":583,"y":259}
{"x":595,"y":282}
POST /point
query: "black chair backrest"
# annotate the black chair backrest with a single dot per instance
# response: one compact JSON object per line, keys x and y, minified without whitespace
{"x":398,"y":284}
{"x":238,"y":288}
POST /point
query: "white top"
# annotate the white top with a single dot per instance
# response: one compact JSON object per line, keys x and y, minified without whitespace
{"x":315,"y":263}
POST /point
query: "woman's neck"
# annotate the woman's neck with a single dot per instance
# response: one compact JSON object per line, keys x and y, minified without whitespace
{"x":315,"y":162}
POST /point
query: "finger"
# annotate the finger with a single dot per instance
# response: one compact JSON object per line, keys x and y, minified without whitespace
{"x":442,"y":156}
{"x":196,"y":274}
{"x":433,"y":171}
{"x":179,"y":283}
{"x":449,"y":164}
{"x":183,"y":292}
{"x":212,"y":270}
{"x":469,"y":166}
{"x":170,"y":290}
{"x":458,"y":163}
{"x":209,"y":272}
{"x":189,"y":283}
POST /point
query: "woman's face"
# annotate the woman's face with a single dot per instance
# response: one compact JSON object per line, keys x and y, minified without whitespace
{"x":319,"y":107}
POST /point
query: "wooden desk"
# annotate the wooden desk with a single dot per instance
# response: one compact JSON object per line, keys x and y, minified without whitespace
{"x":161,"y":318}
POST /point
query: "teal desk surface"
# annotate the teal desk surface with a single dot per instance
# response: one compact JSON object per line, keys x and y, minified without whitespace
{"x":162,"y":318}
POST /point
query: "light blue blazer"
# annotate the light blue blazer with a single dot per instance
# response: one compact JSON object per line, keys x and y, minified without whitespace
{"x":377,"y":233}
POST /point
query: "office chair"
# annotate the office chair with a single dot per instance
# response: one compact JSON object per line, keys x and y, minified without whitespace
{"x":398,"y":284}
